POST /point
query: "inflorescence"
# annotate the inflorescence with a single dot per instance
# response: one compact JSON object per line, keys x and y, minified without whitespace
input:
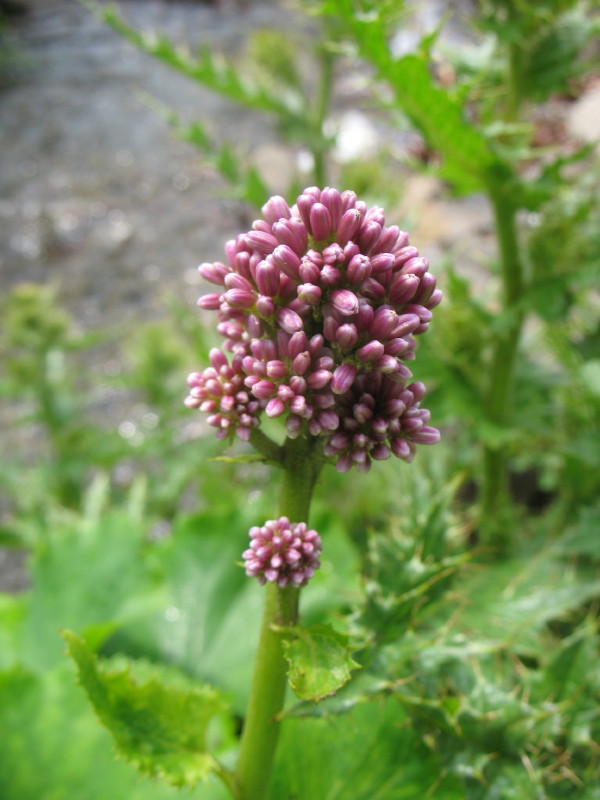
{"x":318,"y":307}
{"x":283,"y":552}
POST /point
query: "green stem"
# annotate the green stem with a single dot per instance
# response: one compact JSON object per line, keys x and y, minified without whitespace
{"x":498,"y":396}
{"x":514,"y":82}
{"x":319,"y":147}
{"x":267,"y":694}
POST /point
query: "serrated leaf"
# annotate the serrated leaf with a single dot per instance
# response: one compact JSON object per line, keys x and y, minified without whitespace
{"x":319,"y":659}
{"x":468,"y":159}
{"x":158,"y":727}
{"x":207,"y":68}
{"x":54,"y":749}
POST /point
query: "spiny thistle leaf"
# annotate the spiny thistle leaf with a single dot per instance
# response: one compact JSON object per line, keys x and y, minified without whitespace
{"x":319,"y":659}
{"x":468,"y":158}
{"x":159,"y":725}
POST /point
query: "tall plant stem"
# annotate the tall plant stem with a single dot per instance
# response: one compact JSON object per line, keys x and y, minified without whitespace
{"x":499,"y":393}
{"x":319,"y":147}
{"x":267,"y":694}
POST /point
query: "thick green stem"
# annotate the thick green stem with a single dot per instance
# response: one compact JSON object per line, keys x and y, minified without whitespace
{"x":499,"y":393}
{"x":267,"y":694}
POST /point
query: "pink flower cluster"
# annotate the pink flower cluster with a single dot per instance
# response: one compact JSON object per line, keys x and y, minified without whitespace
{"x":283,"y":552}
{"x":319,"y":305}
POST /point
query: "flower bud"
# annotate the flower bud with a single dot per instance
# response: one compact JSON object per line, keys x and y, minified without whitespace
{"x":370,"y":351}
{"x":344,"y":301}
{"x":275,"y":209}
{"x":342,"y":378}
{"x":358,"y":270}
{"x":320,"y":222}
{"x":289,"y":320}
{"x":349,"y":226}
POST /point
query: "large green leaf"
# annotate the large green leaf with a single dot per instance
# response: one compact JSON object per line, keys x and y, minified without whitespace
{"x":158,"y":718}
{"x":93,"y":573}
{"x":54,"y":749}
{"x":368,"y":754}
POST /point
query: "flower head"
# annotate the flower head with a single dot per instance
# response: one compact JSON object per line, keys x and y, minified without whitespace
{"x":320,"y":303}
{"x":283,"y":552}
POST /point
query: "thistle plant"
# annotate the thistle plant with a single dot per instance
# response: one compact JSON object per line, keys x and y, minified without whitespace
{"x":318,"y":305}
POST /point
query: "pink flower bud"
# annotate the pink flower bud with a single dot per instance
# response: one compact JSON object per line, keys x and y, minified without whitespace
{"x":264,"y":389}
{"x":342,"y":378}
{"x":267,"y":278}
{"x":287,"y":261}
{"x":304,"y":204}
{"x":265,"y":306}
{"x":344,"y":301}
{"x":426,"y":435}
{"x":370,"y":351}
{"x":276,"y":370}
{"x":289,"y":320}
{"x":309,"y":293}
{"x":349,"y":226}
{"x":301,"y":363}
{"x":405,"y":254}
{"x":320,"y":222}
{"x":298,"y":343}
{"x":415,"y":266}
{"x":382,"y":262}
{"x":368,"y":235}
{"x":215,"y":273}
{"x":406,"y":324}
{"x":386,"y":364}
{"x":423,"y":313}
{"x":333,"y":254}
{"x":275,"y":209}
{"x":210,"y":302}
{"x":319,"y":378}
{"x":383,"y":323}
{"x":262,"y":242}
{"x":274,"y":408}
{"x":239,"y":298}
{"x":387,"y":241}
{"x":403,"y":289}
{"x":346,"y":336}
{"x":435,"y":299}
{"x":309,"y":272}
{"x":358,"y":270}
{"x":292,"y":232}
{"x":332,"y":200}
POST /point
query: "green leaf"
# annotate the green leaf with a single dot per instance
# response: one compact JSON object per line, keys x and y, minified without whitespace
{"x":208,"y":69}
{"x":159,"y":727}
{"x":370,"y":753}
{"x":90,"y":574}
{"x":319,"y":659}
{"x":54,"y":749}
{"x":468,"y":159}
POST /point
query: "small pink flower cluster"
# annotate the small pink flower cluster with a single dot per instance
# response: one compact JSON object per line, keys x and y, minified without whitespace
{"x":282,"y":552}
{"x":319,"y":305}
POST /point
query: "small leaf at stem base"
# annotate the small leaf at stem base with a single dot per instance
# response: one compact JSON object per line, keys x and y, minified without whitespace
{"x":319,"y":659}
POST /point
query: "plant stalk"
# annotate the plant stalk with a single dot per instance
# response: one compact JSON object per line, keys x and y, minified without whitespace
{"x":498,"y":397}
{"x":267,"y":694}
{"x":319,"y":148}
